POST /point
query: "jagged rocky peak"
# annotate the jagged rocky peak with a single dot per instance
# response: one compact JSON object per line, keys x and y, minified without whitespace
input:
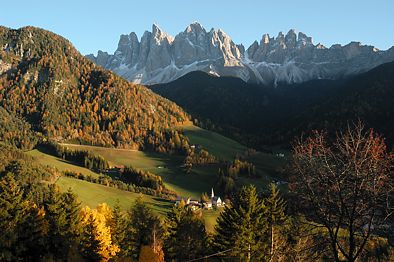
{"x":241,"y":48}
{"x":123,"y":41}
{"x":127,"y":42}
{"x":354,"y":49}
{"x":195,"y":28}
{"x":304,"y":40}
{"x":282,"y":41}
{"x":291,"y":39}
{"x":219,"y":37}
{"x":102,"y":57}
{"x":250,"y":52}
{"x":280,"y":37}
{"x":224,"y":46}
{"x":159,"y":35}
{"x":194,"y":34}
{"x":291,"y":57}
{"x":265,"y":40}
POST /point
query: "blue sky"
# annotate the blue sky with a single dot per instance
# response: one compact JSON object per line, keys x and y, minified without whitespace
{"x":94,"y":25}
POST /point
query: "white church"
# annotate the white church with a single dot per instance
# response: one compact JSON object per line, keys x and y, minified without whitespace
{"x":215,"y":201}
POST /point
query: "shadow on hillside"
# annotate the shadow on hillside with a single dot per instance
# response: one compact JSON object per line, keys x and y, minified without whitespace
{"x":162,"y":200}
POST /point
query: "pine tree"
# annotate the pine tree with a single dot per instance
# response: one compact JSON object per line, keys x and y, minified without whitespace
{"x":118,"y":228}
{"x":143,"y":228}
{"x":172,"y":221}
{"x":33,"y":234}
{"x":186,"y":236}
{"x":63,"y":216}
{"x":72,"y":208}
{"x":12,"y":214}
{"x":275,"y":211}
{"x":241,"y":229}
{"x":22,"y":224}
{"x":56,"y":218}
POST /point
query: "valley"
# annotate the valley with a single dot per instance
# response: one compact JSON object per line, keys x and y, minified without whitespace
{"x":193,"y":147}
{"x":168,"y":167}
{"x":200,"y":180}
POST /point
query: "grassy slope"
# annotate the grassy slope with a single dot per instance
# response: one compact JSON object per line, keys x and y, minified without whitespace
{"x":201,"y":180}
{"x":142,"y":160}
{"x":210,"y":217}
{"x":218,"y":145}
{"x":60,"y":164}
{"x":92,"y":194}
{"x":267,"y":165}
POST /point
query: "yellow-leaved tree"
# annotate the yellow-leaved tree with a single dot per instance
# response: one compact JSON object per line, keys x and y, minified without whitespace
{"x":149,"y":254}
{"x":96,"y":243}
{"x":106,"y":211}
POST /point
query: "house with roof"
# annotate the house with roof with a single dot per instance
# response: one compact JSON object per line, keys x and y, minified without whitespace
{"x":190,"y":203}
{"x":207,"y":205}
{"x":185,"y":200}
{"x":214,"y":201}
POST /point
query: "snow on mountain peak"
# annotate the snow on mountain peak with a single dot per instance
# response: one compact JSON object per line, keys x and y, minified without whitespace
{"x":159,"y":57}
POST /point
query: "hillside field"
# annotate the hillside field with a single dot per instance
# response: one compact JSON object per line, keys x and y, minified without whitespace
{"x":200,"y":180}
{"x":91,"y":195}
{"x":220,"y":146}
{"x":62,"y":165}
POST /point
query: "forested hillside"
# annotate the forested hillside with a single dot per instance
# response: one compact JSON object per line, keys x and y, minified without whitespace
{"x":259,"y":115}
{"x":368,"y":97}
{"x":249,"y":113}
{"x":48,"y":84}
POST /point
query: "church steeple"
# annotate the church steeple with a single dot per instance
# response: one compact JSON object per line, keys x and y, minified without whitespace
{"x":212,"y":193}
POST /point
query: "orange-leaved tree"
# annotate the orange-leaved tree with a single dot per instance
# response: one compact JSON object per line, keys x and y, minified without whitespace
{"x":345,"y":185}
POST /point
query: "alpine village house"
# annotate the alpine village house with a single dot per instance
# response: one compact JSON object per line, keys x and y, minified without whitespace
{"x":213,"y":202}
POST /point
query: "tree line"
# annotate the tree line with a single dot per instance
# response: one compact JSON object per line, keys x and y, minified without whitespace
{"x":80,"y":157}
{"x":106,"y":180}
{"x":228,"y":174}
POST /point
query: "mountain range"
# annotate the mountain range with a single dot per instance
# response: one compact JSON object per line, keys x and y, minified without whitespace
{"x":292,"y":58}
{"x":47,"y":88}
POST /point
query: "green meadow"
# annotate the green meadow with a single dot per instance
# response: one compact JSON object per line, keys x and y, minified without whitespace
{"x":200,"y":180}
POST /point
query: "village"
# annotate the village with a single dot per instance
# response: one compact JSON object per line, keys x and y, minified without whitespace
{"x":193,"y":204}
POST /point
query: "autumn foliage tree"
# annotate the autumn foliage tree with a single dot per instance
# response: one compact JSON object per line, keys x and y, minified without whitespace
{"x":96,"y":241}
{"x":345,"y":185}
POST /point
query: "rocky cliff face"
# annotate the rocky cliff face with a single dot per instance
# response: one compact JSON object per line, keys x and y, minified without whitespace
{"x":291,"y":58}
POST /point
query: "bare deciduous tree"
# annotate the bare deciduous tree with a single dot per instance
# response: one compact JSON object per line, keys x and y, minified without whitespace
{"x":345,"y":185}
